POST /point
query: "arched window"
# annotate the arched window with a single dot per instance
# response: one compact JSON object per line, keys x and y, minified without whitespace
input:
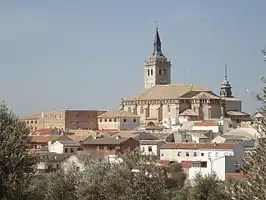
{"x":160,"y":71}
{"x":151,"y":72}
{"x":148,"y":72}
{"x":164,"y":72}
{"x":168,"y":108}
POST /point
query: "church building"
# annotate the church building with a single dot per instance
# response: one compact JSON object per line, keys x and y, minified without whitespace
{"x":160,"y":100}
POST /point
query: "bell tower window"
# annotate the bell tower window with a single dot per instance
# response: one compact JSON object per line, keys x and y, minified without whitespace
{"x":148,"y":72}
{"x":151,"y":72}
{"x":160,"y":72}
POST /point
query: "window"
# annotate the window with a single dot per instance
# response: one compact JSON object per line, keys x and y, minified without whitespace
{"x":134,"y":120}
{"x":57,"y":166}
{"x":150,"y":148}
{"x":129,"y":109}
{"x":178,"y":154}
{"x":164,"y":72}
{"x":151,"y":72}
{"x":168,"y":108}
{"x":114,"y":119}
{"x":160,"y":71}
{"x":77,"y":115}
{"x":31,"y":122}
{"x":195,"y":154}
{"x":77,"y":122}
{"x":88,"y":116}
{"x":125,"y":120}
{"x":209,"y":154}
{"x":72,"y":150}
{"x":162,"y":154}
{"x":203,"y":164}
{"x":141,"y":110}
{"x":148,"y":72}
{"x":105,"y":120}
{"x":101,"y":120}
{"x":187,"y":154}
{"x":110,"y":120}
{"x":66,"y":150}
{"x":216,"y":154}
{"x":202,"y":154}
{"x":36,"y":122}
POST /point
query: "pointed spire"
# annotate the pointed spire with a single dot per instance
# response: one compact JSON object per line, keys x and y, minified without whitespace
{"x":157,"y":45}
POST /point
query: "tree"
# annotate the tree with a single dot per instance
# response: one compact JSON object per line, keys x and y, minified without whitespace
{"x":255,"y":162}
{"x":208,"y":188}
{"x":137,"y":177}
{"x":16,"y":164}
{"x":62,"y":185}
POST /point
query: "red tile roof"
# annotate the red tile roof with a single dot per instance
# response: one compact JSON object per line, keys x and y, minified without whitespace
{"x":236,"y":176}
{"x":42,"y":131}
{"x":186,"y":164}
{"x":173,"y":145}
{"x":163,"y":162}
{"x":206,"y":124}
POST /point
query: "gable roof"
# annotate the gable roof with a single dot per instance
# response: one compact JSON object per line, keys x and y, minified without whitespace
{"x":47,"y":138}
{"x":117,"y":113}
{"x":188,"y":112}
{"x":198,"y":146}
{"x":106,"y":141}
{"x":136,"y":135}
{"x":171,"y":91}
{"x":70,"y":143}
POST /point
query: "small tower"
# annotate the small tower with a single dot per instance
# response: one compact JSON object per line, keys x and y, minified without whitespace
{"x":157,"y":69}
{"x":226,"y":88}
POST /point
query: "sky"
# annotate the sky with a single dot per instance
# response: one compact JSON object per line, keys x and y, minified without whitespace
{"x":89,"y":54}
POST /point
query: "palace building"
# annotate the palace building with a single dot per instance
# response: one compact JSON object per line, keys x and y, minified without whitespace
{"x":160,"y":100}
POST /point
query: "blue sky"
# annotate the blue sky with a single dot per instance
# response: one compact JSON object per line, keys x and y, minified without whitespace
{"x":89,"y":54}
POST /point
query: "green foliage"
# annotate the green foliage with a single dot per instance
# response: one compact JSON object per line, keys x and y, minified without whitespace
{"x":208,"y":188}
{"x":61,"y":185}
{"x":16,"y":164}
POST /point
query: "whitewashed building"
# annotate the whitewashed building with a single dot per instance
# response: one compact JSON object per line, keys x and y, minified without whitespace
{"x":64,"y":147}
{"x":151,"y":147}
{"x":205,"y":157}
{"x":118,"y":120}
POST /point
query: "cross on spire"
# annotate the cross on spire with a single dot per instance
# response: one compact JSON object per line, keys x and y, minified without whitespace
{"x":225,"y":72}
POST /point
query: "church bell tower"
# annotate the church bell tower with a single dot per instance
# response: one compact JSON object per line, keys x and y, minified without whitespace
{"x":157,"y":69}
{"x":226,"y":88}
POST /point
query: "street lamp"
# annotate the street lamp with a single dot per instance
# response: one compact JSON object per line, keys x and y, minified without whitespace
{"x":212,"y":160}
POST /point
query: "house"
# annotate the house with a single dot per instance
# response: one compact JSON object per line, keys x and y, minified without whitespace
{"x":197,"y":136}
{"x":206,"y":125}
{"x":37,"y":142}
{"x":49,"y":161}
{"x":151,"y":147}
{"x":98,"y":146}
{"x":205,"y":157}
{"x":119,"y":120}
{"x":64,"y":146}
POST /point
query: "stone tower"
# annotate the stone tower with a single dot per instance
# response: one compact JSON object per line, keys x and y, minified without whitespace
{"x":226,"y":88}
{"x":157,"y":69}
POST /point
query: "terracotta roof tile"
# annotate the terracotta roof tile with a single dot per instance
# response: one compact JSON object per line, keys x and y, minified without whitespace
{"x":42,"y":131}
{"x":198,"y":146}
{"x":205,"y":123}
